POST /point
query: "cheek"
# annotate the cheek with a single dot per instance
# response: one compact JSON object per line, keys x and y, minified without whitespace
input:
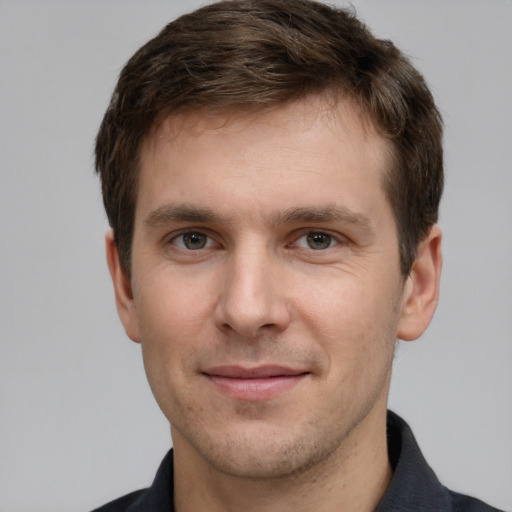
{"x":354,"y":323}
{"x":171,"y":321}
{"x":167,"y":333}
{"x":336,"y":308}
{"x":173,"y":305}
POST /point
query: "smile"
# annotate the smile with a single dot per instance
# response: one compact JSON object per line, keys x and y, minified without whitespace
{"x":254,"y":384}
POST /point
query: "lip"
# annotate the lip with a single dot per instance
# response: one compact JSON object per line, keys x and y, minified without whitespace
{"x":254,"y":384}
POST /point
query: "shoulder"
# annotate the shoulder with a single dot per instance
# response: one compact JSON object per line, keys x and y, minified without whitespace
{"x":156,"y":498}
{"x":463,"y":503}
{"x":414,"y":485}
{"x":121,"y":504}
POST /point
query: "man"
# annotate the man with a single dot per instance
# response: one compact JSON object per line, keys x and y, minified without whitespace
{"x":272,"y":175}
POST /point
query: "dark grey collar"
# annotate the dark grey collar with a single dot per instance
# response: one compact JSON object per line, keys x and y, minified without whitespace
{"x":414,"y":487}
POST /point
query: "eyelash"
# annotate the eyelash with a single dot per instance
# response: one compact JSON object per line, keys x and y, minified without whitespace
{"x":309,"y":236}
{"x":208,"y":240}
{"x":331,"y":240}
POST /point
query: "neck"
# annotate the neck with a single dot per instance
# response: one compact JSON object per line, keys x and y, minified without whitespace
{"x":354,"y":478}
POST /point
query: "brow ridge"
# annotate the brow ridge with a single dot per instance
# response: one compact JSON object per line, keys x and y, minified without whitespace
{"x":180,"y":213}
{"x":295,"y":215}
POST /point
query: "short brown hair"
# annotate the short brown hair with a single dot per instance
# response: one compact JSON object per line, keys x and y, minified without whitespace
{"x":256,"y":53}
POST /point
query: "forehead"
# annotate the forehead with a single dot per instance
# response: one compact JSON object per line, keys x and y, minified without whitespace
{"x":344,"y":118}
{"x":310,"y":146}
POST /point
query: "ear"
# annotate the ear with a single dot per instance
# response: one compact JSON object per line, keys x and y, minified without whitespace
{"x":123,"y":290}
{"x":421,"y":292}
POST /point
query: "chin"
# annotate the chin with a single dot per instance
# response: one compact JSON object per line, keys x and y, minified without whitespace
{"x":261,"y":453}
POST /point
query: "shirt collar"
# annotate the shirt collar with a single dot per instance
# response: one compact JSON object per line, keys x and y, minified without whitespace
{"x":413,"y":486}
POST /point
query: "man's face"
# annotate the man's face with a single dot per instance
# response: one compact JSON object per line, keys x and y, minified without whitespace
{"x":266,"y":290}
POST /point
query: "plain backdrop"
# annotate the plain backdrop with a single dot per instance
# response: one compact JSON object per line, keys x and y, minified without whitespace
{"x":78,"y":423}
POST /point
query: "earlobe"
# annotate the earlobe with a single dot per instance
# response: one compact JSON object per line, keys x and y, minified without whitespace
{"x":421,"y":292}
{"x":123,"y":290}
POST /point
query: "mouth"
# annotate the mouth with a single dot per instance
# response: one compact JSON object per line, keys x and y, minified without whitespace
{"x":254,"y":384}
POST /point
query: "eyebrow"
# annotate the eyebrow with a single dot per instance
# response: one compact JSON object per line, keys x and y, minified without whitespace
{"x":181,"y":213}
{"x":318,"y":214}
{"x":305,"y":214}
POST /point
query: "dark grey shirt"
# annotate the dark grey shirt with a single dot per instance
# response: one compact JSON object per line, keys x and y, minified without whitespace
{"x":414,"y":487}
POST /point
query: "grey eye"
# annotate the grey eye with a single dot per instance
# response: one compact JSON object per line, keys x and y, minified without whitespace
{"x":194,"y":241}
{"x":318,"y":241}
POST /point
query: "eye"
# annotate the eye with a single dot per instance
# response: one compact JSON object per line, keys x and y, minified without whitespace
{"x":192,"y":241}
{"x":316,"y":240}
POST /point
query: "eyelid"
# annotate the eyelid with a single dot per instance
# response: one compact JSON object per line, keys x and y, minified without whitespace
{"x":337,"y":238}
{"x":172,"y":237}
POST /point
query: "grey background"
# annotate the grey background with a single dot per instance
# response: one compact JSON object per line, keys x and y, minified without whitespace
{"x":78,"y":423}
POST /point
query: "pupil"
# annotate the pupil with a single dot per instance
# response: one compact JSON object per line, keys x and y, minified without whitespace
{"x":319,"y":241}
{"x":194,"y":240}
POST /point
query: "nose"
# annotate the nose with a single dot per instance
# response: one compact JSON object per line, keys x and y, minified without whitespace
{"x":252,"y":298}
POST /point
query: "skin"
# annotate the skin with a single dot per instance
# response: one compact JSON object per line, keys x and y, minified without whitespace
{"x":267,"y":239}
